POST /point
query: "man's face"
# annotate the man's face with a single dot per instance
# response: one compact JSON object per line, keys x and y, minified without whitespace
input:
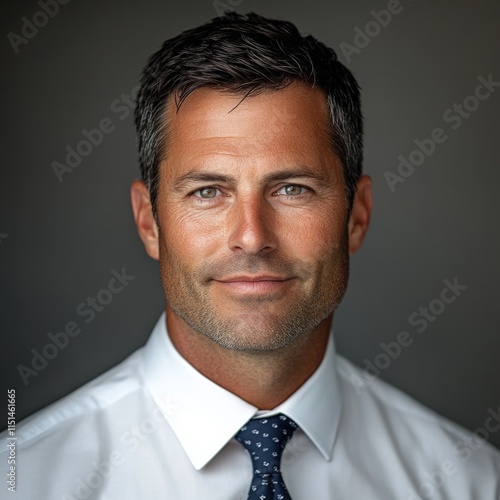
{"x":252,"y":213}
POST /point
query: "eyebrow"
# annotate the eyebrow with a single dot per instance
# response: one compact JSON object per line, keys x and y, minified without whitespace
{"x":195,"y":176}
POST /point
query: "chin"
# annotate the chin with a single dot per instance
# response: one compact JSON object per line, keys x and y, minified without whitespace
{"x":253,"y":333}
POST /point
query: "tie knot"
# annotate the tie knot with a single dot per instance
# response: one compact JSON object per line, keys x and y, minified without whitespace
{"x":265,"y":439}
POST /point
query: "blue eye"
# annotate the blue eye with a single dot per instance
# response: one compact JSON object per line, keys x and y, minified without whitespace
{"x":208,"y":192}
{"x":291,"y":190}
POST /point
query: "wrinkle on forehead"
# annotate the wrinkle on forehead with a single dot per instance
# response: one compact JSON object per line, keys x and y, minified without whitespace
{"x":208,"y":119}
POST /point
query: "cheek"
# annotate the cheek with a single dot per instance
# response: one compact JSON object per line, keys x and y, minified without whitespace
{"x":189,"y":238}
{"x":316,"y":237}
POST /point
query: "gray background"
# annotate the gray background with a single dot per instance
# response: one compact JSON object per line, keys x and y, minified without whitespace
{"x":64,"y":238}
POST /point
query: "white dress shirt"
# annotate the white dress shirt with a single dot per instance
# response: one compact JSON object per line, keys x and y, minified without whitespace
{"x":154,"y":428}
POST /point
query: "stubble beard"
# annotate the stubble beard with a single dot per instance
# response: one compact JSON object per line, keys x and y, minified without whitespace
{"x":255,"y":323}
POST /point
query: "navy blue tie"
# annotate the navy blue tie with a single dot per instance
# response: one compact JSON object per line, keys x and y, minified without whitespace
{"x":265,"y":439}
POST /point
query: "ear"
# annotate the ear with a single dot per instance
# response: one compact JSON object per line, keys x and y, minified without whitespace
{"x":144,"y":219}
{"x":360,"y":213}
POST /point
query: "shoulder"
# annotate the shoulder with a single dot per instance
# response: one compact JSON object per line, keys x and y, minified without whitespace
{"x":79,"y":408}
{"x":395,"y":426}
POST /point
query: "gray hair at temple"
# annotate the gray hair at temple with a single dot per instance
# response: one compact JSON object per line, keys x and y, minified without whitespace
{"x":246,"y":54}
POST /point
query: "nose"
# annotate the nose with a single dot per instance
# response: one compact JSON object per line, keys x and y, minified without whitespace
{"x":251,"y":226}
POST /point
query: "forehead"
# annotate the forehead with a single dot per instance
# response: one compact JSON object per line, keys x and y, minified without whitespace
{"x":214,"y":111}
{"x":289,"y":125}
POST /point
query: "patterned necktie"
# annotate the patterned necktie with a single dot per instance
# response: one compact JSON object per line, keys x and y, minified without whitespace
{"x":265,"y":439}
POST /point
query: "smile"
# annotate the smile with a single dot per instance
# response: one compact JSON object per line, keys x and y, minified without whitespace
{"x":254,"y":284}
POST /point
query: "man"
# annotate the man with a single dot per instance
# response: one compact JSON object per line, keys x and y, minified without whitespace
{"x":252,"y":199}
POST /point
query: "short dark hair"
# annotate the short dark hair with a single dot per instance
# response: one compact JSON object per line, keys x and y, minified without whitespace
{"x":246,"y":54}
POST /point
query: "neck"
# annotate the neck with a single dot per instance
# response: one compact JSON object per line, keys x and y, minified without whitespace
{"x":263,"y":379}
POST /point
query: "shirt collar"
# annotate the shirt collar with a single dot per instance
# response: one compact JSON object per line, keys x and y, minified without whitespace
{"x":204,"y":416}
